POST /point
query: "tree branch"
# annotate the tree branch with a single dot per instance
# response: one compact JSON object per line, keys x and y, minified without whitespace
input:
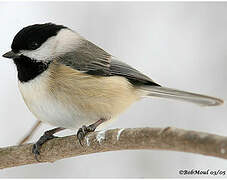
{"x":118,"y":139}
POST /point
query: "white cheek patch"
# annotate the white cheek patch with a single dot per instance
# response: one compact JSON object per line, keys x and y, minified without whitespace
{"x":65,"y":41}
{"x":44,"y":53}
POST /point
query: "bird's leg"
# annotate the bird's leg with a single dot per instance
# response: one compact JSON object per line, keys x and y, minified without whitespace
{"x":29,"y":135}
{"x":84,"y":130}
{"x":48,"y":135}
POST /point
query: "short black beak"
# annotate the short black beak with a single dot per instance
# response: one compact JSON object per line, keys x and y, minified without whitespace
{"x":10,"y":55}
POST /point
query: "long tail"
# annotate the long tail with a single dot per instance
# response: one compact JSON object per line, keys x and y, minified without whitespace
{"x":163,"y":92}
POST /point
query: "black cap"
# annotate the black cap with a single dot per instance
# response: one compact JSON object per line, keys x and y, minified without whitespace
{"x":32,"y":37}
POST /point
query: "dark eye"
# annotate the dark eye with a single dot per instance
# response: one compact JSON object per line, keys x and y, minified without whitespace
{"x":33,"y":45}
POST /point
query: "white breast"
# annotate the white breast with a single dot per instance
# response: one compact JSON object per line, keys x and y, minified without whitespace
{"x":67,"y":98}
{"x":48,"y":108}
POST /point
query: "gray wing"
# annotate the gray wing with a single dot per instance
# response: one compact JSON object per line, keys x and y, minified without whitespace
{"x":134,"y":76}
{"x":87,"y":57}
{"x":91,"y":59}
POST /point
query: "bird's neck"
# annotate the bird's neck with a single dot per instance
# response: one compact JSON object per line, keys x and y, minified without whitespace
{"x":29,"y":69}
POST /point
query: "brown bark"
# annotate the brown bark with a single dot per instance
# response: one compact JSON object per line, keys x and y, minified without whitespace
{"x":118,"y":139}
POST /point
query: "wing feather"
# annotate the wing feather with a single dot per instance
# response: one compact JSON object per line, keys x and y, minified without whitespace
{"x":87,"y":57}
{"x":134,"y":76}
{"x":91,"y":59}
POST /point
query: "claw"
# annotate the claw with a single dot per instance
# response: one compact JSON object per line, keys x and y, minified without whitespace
{"x":36,"y":151}
{"x":48,"y":135}
{"x":37,"y":146}
{"x":82,"y":132}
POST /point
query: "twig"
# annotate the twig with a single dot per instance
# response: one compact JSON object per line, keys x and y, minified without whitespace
{"x":30,"y":133}
{"x":118,"y":139}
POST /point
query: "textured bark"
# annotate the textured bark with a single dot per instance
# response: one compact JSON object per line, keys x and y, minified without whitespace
{"x":118,"y":139}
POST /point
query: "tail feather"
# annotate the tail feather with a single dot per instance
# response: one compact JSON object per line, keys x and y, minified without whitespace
{"x":169,"y":93}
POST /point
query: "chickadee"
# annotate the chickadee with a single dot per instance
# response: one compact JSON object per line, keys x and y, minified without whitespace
{"x":71,"y":83}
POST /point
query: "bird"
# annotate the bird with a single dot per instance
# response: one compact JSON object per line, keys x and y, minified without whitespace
{"x":71,"y":83}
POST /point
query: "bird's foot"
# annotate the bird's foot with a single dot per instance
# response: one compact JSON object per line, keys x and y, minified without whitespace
{"x":37,"y":146}
{"x":83,"y":131}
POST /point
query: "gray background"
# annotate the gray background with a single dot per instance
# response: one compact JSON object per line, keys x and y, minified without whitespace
{"x":179,"y":45}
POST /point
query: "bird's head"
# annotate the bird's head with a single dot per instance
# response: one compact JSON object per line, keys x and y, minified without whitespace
{"x":43,"y":42}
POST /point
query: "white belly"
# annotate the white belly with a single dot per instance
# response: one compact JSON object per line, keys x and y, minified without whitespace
{"x":67,"y":98}
{"x":48,"y":108}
